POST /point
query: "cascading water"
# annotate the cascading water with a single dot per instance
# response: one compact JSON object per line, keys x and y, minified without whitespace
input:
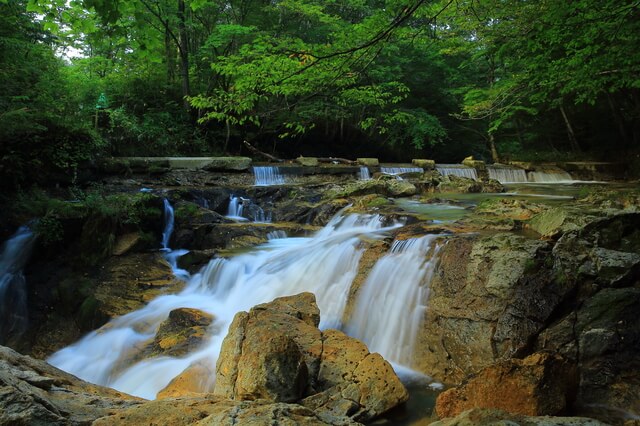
{"x":268,"y":175}
{"x":396,"y":289}
{"x":555,"y":176}
{"x":507,"y":174}
{"x":243,"y":209}
{"x":324,"y":264}
{"x":364,"y":173}
{"x":457,"y":170}
{"x":13,"y":293}
{"x":401,"y":170}
{"x":171,"y":255}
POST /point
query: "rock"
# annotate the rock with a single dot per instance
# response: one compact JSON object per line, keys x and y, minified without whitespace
{"x":33,"y":392}
{"x":307,"y":161}
{"x":125,"y":242}
{"x":228,"y":164}
{"x":425,"y":164}
{"x":483,"y":416}
{"x":184,"y":330}
{"x":196,"y":379}
{"x":458,"y":184}
{"x":390,"y":187}
{"x":474,"y":164}
{"x":369,"y":162}
{"x":540,"y":384}
{"x":602,"y":337}
{"x":488,"y":298}
{"x":275,"y":352}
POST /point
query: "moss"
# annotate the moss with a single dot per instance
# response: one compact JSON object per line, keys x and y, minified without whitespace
{"x":89,"y":315}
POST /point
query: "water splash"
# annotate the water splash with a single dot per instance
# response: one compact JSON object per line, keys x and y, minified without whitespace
{"x":13,"y":293}
{"x":268,"y":175}
{"x":324,"y":264}
{"x":243,"y":209}
{"x":457,"y":170}
{"x":396,"y":289}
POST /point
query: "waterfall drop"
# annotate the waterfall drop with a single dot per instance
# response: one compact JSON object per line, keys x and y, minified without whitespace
{"x":268,"y":175}
{"x":396,"y":289}
{"x":13,"y":293}
{"x":457,"y":170}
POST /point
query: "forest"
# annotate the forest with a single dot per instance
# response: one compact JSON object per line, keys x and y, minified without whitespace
{"x":395,"y":79}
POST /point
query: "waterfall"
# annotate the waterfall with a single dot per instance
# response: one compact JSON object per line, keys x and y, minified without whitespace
{"x":168,"y":224}
{"x":396,"y":291}
{"x":364,"y":173}
{"x":243,"y":209}
{"x":170,"y":255}
{"x":13,"y":293}
{"x":457,"y":170}
{"x":507,"y":174}
{"x":400,"y":170}
{"x":268,"y":175}
{"x":551,"y":176}
{"x":324,"y":264}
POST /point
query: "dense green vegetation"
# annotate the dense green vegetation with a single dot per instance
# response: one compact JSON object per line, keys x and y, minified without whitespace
{"x":390,"y":78}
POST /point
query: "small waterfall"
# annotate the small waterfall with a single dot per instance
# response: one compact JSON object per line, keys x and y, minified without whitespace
{"x":324,"y":264}
{"x":168,"y":224}
{"x":396,"y":290}
{"x":171,"y":255}
{"x":364,"y":173}
{"x":550,"y":176}
{"x":507,"y":174}
{"x":268,"y":175}
{"x":401,"y":170}
{"x":457,"y":170}
{"x":243,"y":209}
{"x":13,"y":293}
{"x":275,"y":235}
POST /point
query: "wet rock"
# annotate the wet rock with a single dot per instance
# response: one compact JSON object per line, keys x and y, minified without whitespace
{"x":339,"y":378}
{"x":459,"y":184}
{"x":541,"y":384}
{"x":554,"y":222}
{"x":482,"y":416}
{"x":197,"y":379}
{"x":184,"y":330}
{"x":389,"y":186}
{"x":489,"y":297}
{"x":33,"y":392}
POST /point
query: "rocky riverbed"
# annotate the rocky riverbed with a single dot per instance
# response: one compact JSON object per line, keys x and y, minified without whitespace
{"x":530,"y":304}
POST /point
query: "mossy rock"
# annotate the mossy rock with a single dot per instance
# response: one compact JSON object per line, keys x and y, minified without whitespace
{"x":228,"y":164}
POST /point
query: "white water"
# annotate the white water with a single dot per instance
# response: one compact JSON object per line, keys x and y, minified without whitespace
{"x":400,"y":170}
{"x":392,"y":302}
{"x":268,"y":175}
{"x":457,"y":170}
{"x":364,"y":173}
{"x":507,"y":175}
{"x":243,"y":209}
{"x":557,"y":176}
{"x":324,"y":264}
{"x":13,"y":293}
{"x":170,"y":255}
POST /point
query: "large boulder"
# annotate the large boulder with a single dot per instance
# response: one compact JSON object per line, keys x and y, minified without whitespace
{"x":541,"y":384}
{"x":276,"y":352}
{"x":488,"y":298}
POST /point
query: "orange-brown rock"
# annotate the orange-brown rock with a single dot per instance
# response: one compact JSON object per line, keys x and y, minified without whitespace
{"x":540,"y":384}
{"x":276,"y":352}
{"x":196,"y":379}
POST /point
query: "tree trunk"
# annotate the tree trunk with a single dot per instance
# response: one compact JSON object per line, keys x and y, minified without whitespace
{"x":183,"y":47}
{"x":170,"y":54}
{"x":492,"y":146}
{"x":617,"y":117}
{"x":572,"y":136}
